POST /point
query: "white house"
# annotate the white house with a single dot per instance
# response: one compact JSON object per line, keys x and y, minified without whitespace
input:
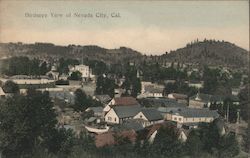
{"x":151,"y":90}
{"x":83,"y":69}
{"x":149,"y":116}
{"x":118,"y":114}
{"x":192,"y":116}
{"x":121,"y":101}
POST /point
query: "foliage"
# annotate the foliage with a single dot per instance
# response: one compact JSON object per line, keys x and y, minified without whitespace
{"x":132,"y":83}
{"x":244,"y":96}
{"x":63,"y":67}
{"x":105,"y":85}
{"x":82,"y":101}
{"x":76,"y":75}
{"x":10,"y":87}
{"x":166,"y":143}
{"x":216,"y":82}
{"x":25,"y":66}
{"x":25,"y":121}
{"x":179,"y":87}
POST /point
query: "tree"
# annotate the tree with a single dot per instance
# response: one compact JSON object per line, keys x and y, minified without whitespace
{"x":104,"y":85}
{"x":81,"y":100}
{"x":228,"y":146}
{"x":26,"y":121}
{"x":10,"y":87}
{"x":76,"y":75}
{"x":166,"y":143}
{"x":194,"y":145}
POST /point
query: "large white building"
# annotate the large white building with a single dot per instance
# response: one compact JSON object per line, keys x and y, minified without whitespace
{"x":83,"y":69}
{"x":192,"y":116}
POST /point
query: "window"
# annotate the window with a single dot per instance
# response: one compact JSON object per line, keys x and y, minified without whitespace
{"x":175,"y":118}
{"x":140,"y":116}
{"x":115,"y":119}
{"x":179,"y":119}
{"x":109,"y":118}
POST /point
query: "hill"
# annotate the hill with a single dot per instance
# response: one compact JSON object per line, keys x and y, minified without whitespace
{"x":210,"y":52}
{"x":48,"y":51}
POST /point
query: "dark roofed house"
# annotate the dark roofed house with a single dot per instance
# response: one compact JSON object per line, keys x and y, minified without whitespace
{"x":200,"y":100}
{"x":149,"y":116}
{"x":129,"y":125}
{"x":98,"y":111}
{"x":104,"y":99}
{"x":191,"y":117}
{"x":121,"y":101}
{"x":118,"y":114}
{"x":180,"y":98}
{"x":107,"y":139}
{"x":160,"y":102}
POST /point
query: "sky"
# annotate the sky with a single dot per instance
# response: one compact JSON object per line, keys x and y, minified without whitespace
{"x":151,"y":27}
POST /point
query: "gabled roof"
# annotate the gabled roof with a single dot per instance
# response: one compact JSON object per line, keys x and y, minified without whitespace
{"x":161,"y":102}
{"x":126,"y":101}
{"x":179,"y":95}
{"x":129,"y":125}
{"x":194,"y":112}
{"x":152,"y":114}
{"x":153,"y":89}
{"x":126,"y":111}
{"x":201,"y":97}
{"x":98,"y":109}
{"x":108,"y":138}
{"x":103,"y":98}
{"x":2,"y":92}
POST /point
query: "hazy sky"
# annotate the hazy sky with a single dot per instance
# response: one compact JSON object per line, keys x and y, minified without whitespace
{"x":146,"y":26}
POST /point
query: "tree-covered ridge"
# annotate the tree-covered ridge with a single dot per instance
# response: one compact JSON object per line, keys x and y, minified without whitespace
{"x":209,"y":52}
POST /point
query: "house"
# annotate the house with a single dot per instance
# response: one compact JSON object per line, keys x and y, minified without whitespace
{"x":118,"y":114}
{"x":236,"y":91}
{"x":109,"y":138}
{"x":200,"y":101}
{"x":121,"y":101}
{"x":150,"y":89}
{"x":196,"y":84}
{"x":104,"y":99}
{"x":180,"y":98}
{"x":131,"y":124}
{"x":160,"y":102}
{"x":149,"y":116}
{"x":182,"y":134}
{"x":83,"y":69}
{"x":2,"y":93}
{"x":191,"y":117}
{"x":53,"y":75}
{"x":98,"y":111}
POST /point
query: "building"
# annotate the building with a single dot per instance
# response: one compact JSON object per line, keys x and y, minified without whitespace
{"x":108,"y":138}
{"x":24,"y":82}
{"x":180,"y":98}
{"x":197,"y":84}
{"x":98,"y":111}
{"x":2,"y":93}
{"x":191,"y":117}
{"x":200,"y":101}
{"x":150,"y":89}
{"x":84,"y":70}
{"x":121,"y":101}
{"x":149,"y":116}
{"x":104,"y":99}
{"x":118,"y":114}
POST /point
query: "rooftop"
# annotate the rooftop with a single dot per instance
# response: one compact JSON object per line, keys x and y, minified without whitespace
{"x":126,"y":111}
